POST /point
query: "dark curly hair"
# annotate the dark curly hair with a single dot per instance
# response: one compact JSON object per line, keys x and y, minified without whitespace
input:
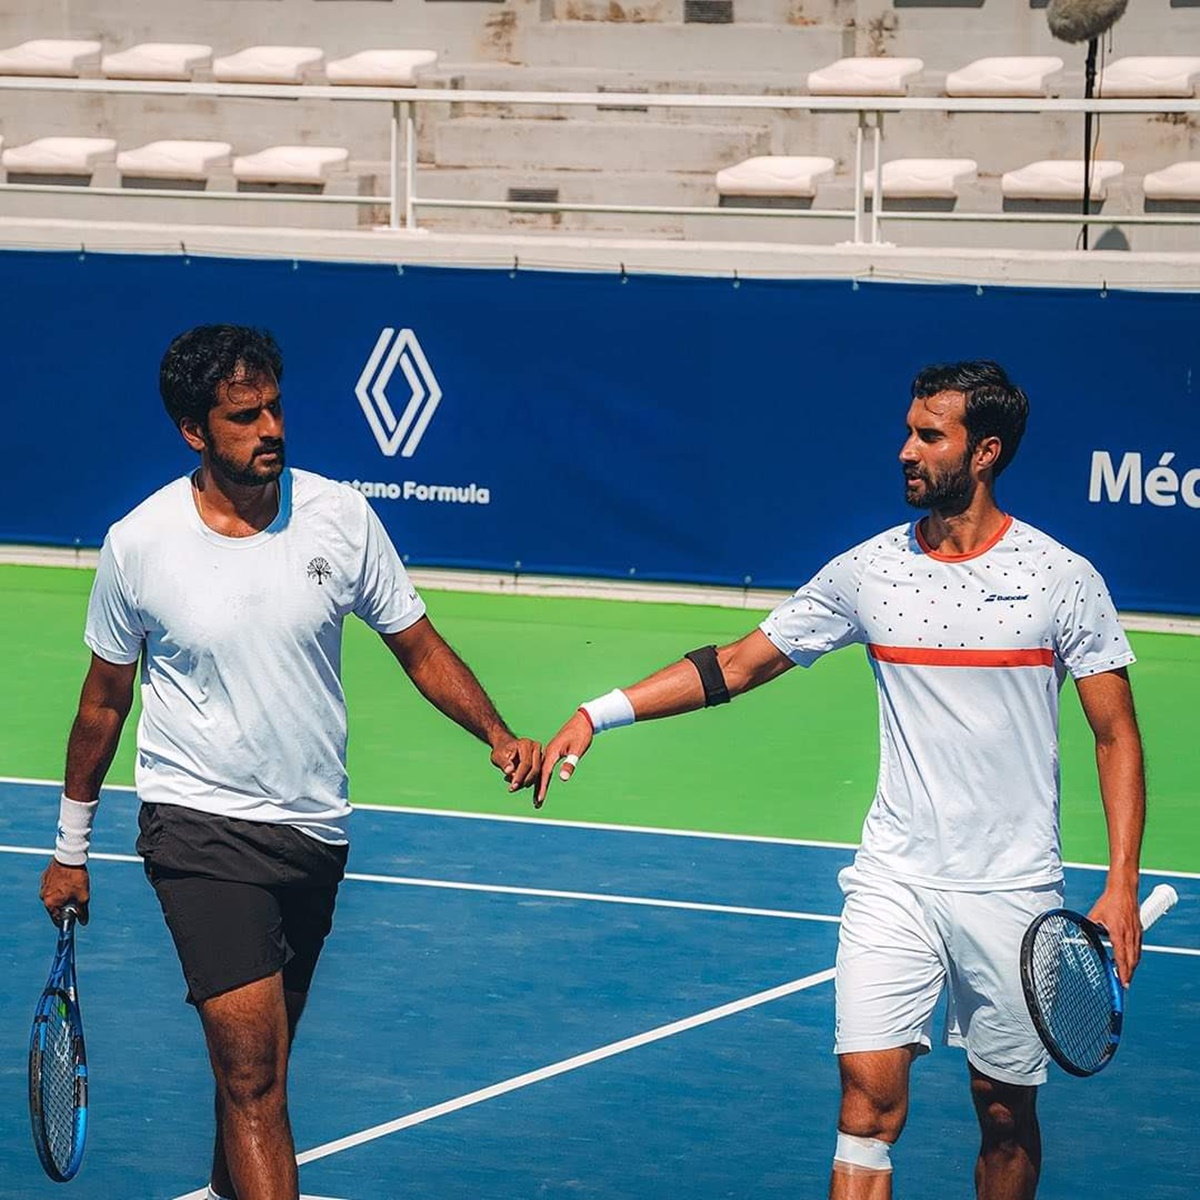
{"x":198,"y":361}
{"x":996,"y":407}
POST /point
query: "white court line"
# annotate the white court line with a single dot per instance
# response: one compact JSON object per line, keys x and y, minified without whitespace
{"x":597,"y":897}
{"x":47,"y":851}
{"x":565,"y":1065}
{"x":549,"y":1072}
{"x":551,"y":894}
{"x":658,"y":831}
{"x":511,"y":890}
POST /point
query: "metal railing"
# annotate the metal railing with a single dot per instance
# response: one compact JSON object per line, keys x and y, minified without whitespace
{"x":403,"y":201}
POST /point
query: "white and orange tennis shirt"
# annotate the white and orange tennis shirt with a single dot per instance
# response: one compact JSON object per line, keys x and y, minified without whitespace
{"x":969,"y":653}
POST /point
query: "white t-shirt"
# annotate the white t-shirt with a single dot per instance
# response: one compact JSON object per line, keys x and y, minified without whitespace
{"x":969,"y":653}
{"x":243,"y":712}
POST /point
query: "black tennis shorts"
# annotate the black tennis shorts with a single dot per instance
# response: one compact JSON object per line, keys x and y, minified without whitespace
{"x":242,"y":899}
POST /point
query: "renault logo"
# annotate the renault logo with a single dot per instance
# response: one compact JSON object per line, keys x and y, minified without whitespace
{"x":403,"y":433}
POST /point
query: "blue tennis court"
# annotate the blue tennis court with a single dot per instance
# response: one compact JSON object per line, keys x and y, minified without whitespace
{"x":511,"y":1009}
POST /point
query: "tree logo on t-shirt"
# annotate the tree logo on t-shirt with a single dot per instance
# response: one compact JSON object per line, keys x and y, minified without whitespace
{"x":320,"y":570}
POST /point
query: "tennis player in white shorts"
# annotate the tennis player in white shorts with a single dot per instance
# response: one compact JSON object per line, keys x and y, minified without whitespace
{"x":900,"y":946}
{"x":971,"y":622}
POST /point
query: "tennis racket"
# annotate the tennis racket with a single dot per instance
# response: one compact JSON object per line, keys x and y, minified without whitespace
{"x":1071,"y":986}
{"x":58,"y":1065}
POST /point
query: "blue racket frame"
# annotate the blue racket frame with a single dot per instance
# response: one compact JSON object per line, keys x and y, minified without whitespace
{"x":59,"y":996}
{"x":1095,"y":936}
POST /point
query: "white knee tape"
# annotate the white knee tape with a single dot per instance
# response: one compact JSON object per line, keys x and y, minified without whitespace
{"x":868,"y":1153}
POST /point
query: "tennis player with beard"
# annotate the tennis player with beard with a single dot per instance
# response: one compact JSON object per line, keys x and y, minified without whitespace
{"x":231,"y":585}
{"x":971,"y":621}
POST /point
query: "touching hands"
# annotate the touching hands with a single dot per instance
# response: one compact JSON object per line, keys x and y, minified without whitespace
{"x":567,"y":746}
{"x":519,"y":759}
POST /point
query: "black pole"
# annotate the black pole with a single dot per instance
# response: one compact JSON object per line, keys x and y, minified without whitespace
{"x":1089,"y":87}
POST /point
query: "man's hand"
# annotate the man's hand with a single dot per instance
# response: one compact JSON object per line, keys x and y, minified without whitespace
{"x":62,"y":886}
{"x":1117,"y":912}
{"x":520,"y":760}
{"x":571,"y":742}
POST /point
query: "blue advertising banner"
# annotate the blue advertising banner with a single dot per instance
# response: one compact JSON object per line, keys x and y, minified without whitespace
{"x":645,"y":427}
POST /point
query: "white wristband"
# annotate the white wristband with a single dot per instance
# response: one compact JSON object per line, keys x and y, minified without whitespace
{"x":74,"y":831}
{"x":609,"y":711}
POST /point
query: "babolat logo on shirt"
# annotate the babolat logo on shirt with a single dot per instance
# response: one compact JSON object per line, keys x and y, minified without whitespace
{"x":319,"y":570}
{"x":994,"y":597}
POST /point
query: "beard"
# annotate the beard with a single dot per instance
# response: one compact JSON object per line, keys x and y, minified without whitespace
{"x":951,"y":492}
{"x":253,"y":473}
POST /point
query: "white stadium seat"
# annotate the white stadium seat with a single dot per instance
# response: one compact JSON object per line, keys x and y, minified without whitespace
{"x":1150,"y":77}
{"x":380,"y":68}
{"x":1059,"y":179}
{"x":48,"y":56}
{"x":1028,"y":76}
{"x":923,"y":178}
{"x":865,"y":77}
{"x":174,"y":159}
{"x":291,"y":164}
{"x":157,"y":60}
{"x":775,"y":175}
{"x":269,"y":64}
{"x":1179,"y":181}
{"x":59,"y":156}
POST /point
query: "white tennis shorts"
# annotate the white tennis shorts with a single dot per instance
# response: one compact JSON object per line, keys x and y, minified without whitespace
{"x":900,"y":945}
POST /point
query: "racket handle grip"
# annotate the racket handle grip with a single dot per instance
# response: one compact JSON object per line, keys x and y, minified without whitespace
{"x":1158,"y":904}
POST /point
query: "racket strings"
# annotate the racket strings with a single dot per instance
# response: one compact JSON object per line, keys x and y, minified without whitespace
{"x":1072,"y":989}
{"x":57,"y":1085}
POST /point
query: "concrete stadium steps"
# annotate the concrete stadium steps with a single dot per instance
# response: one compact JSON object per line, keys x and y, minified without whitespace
{"x":698,"y":189}
{"x":825,"y":14}
{"x":716,"y":79}
{"x":339,"y":27}
{"x":184,"y":208}
{"x":609,"y":145}
{"x":573,"y":187}
{"x":555,"y":31}
{"x":1001,"y":143}
{"x":247,"y":124}
{"x":982,"y":196}
{"x":948,"y":36}
{"x":685,"y":47}
{"x":594,"y":138}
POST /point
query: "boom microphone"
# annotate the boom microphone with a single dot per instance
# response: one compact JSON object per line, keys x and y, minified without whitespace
{"x":1083,"y":20}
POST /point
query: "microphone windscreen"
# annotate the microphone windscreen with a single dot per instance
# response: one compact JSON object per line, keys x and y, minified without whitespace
{"x":1082,"y":20}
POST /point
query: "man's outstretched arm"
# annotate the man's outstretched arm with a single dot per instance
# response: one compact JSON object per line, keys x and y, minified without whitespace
{"x":104,"y":704}
{"x":680,"y":687}
{"x":451,"y":687}
{"x":1108,"y":705}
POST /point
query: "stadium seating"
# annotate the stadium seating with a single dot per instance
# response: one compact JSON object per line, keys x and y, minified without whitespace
{"x":308,"y":166}
{"x":63,"y":157}
{"x":174,"y":160}
{"x":1029,"y":76}
{"x":774,"y":176}
{"x":618,"y":155}
{"x":1179,"y":181}
{"x":923,"y":178}
{"x":380,"y":68}
{"x":269,"y":64}
{"x":865,"y":77}
{"x":157,"y":60}
{"x":1059,"y":179}
{"x":49,"y":56}
{"x":1130,"y":78}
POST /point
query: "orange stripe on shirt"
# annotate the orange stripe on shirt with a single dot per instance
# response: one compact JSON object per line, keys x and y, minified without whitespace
{"x":924,"y":656}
